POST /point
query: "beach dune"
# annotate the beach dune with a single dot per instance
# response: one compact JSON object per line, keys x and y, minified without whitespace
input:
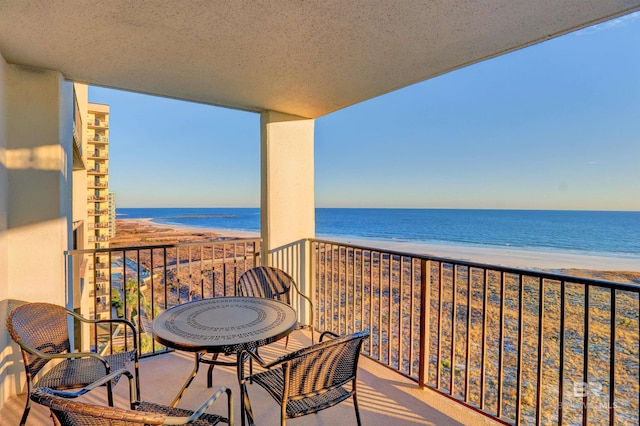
{"x":624,"y":269}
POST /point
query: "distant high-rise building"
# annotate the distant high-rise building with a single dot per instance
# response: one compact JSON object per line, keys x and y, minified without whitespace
{"x":98,"y":206}
{"x":112,"y":214}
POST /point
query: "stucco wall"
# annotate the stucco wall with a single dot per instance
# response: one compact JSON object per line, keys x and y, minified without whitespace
{"x":4,"y":178}
{"x":4,"y":287}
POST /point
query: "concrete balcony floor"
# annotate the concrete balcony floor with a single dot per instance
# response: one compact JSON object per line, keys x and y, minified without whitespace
{"x":384,"y":397}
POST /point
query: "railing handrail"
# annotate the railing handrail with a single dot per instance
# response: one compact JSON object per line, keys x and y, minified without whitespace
{"x":497,"y":268}
{"x":160,"y":246}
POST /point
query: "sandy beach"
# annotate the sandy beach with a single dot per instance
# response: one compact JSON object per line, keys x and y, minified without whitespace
{"x":513,"y":258}
{"x":619,"y":269}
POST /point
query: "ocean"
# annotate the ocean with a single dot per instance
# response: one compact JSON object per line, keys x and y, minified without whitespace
{"x":607,"y":233}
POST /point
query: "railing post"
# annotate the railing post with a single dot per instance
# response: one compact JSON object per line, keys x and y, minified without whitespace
{"x":310,"y":259}
{"x":425,"y":314}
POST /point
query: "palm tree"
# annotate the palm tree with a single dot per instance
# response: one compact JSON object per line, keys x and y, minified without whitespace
{"x":131,"y":295}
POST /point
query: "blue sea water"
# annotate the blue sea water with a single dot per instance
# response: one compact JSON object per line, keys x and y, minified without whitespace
{"x":601,"y":232}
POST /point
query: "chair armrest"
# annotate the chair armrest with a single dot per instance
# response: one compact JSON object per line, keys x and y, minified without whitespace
{"x":174,"y":420}
{"x":67,"y":355}
{"x":99,"y":321}
{"x":97,"y":383}
{"x":258,"y":358}
{"x":301,"y":294}
{"x":126,"y":322}
{"x":264,"y":364}
{"x":328,"y":333}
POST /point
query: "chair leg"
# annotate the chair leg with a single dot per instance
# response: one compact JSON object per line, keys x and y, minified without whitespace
{"x":355,"y":404}
{"x":27,"y":408}
{"x":137,"y":380}
{"x":283,"y":413}
{"x":110,"y":393}
{"x":210,"y":371}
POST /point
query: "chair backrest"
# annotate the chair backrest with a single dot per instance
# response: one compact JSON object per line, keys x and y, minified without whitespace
{"x":325,"y":365}
{"x":72,"y":412}
{"x":266,"y":282}
{"x":40,"y":326}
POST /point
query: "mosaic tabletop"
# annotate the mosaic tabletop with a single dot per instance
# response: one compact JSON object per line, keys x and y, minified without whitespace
{"x":224,"y":324}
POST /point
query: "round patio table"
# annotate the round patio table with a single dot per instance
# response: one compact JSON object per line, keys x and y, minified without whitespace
{"x":222,"y":325}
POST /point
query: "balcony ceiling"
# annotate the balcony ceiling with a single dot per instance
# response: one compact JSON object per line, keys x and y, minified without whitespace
{"x":306,"y":58}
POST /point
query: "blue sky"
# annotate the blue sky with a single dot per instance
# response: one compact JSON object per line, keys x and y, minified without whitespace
{"x":552,"y":126}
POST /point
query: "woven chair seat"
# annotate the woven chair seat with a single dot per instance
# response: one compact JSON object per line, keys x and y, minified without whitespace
{"x":273,"y":382}
{"x":205,"y":419}
{"x":80,"y":372}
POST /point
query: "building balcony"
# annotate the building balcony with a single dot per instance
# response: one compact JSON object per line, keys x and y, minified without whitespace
{"x":102,"y":307}
{"x":96,"y":198}
{"x":92,"y":184}
{"x":519,"y":346}
{"x":98,"y":155}
{"x":102,"y":238}
{"x":98,"y":266}
{"x":101,"y":225}
{"x":93,"y":212}
{"x":96,"y":123}
{"x":104,"y":171}
{"x":96,"y":139}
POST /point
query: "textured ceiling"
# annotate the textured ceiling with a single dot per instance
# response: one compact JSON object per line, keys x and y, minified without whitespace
{"x":306,"y":58}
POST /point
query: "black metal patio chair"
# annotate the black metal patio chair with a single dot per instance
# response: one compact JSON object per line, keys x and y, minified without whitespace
{"x":310,"y":379}
{"x":41,"y":331}
{"x":70,"y":412}
{"x":268,"y":283}
{"x":273,"y":283}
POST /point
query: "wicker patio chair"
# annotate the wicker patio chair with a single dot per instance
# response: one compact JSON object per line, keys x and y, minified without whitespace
{"x":273,"y":283}
{"x":311,"y":379}
{"x":70,"y":412}
{"x":268,"y":283}
{"x":41,"y":331}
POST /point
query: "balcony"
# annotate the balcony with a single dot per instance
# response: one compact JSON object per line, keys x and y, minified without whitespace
{"x":96,"y":139}
{"x":103,"y":171}
{"x":96,"y":198}
{"x":98,"y":171}
{"x":101,"y":225}
{"x":92,"y":184}
{"x":383,"y":396}
{"x":98,"y":155}
{"x":93,"y":212}
{"x":102,"y":238}
{"x":519,"y":346}
{"x":96,"y":123}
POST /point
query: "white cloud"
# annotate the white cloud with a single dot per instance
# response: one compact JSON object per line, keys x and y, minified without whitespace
{"x":617,"y":22}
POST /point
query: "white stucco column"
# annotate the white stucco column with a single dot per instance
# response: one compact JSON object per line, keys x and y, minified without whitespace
{"x":7,"y":356}
{"x":287,"y":186}
{"x":4,"y":185}
{"x":287,"y":208}
{"x":39,"y":162}
{"x":35,"y":196}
